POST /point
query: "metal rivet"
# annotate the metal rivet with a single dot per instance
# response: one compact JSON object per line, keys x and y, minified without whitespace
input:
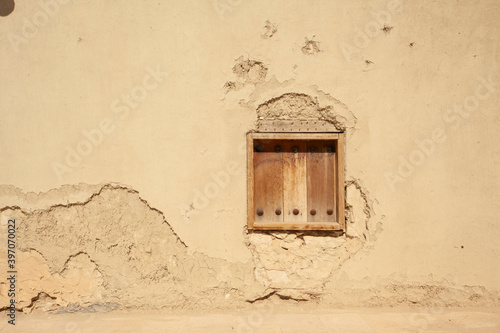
{"x":329,"y":212}
{"x":259,"y":148}
{"x":277,"y":148}
{"x":295,"y":149}
{"x":312,"y":149}
{"x":260,"y":212}
{"x":278,"y":211}
{"x":330,"y":149}
{"x":313,"y":211}
{"x":295,"y":211}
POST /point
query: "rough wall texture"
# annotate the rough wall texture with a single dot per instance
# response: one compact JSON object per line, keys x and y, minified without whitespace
{"x":113,"y":251}
{"x":122,"y":147}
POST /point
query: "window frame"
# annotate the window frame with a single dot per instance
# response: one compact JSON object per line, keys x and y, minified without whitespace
{"x":339,"y":225}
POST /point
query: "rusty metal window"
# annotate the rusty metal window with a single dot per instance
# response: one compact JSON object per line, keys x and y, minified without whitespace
{"x":296,"y":181}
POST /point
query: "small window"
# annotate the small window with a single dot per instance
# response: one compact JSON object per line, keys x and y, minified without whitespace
{"x":296,"y":181}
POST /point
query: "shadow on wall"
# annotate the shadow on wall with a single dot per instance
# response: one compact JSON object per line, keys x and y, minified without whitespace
{"x":6,"y":7}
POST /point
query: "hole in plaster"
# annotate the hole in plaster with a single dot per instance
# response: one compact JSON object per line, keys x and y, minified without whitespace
{"x":311,"y":47}
{"x":387,"y":29}
{"x":269,"y":30}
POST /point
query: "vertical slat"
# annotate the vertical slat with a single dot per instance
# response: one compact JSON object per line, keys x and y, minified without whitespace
{"x":268,"y":181}
{"x":316,"y":187}
{"x":294,"y":181}
{"x":340,"y":181}
{"x":329,"y":149}
{"x":321,"y":181}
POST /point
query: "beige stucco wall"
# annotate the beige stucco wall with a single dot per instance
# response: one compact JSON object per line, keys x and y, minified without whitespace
{"x":431,"y":76}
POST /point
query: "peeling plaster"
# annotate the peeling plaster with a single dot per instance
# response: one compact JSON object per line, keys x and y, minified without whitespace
{"x":115,"y":248}
{"x":311,"y":47}
{"x":95,"y":248}
{"x":114,"y":251}
{"x":291,"y":106}
{"x":269,"y":30}
{"x":273,"y":99}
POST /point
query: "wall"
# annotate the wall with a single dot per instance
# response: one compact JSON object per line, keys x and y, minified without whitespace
{"x":123,"y":151}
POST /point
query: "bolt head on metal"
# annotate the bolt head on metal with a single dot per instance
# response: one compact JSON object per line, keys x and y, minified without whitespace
{"x":312,"y":149}
{"x":313,"y":211}
{"x":278,"y":211}
{"x":260,"y":212}
{"x":277,"y":149}
{"x":295,"y":149}
{"x":330,"y":149}
{"x":329,"y":212}
{"x":295,"y":211}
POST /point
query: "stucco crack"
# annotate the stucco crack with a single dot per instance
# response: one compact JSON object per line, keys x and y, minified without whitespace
{"x":358,"y":201}
{"x":113,"y":247}
{"x":65,"y":267}
{"x":266,"y":295}
{"x":298,"y":265}
{"x":13,"y":208}
{"x":39,"y":300}
{"x":114,"y":251}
